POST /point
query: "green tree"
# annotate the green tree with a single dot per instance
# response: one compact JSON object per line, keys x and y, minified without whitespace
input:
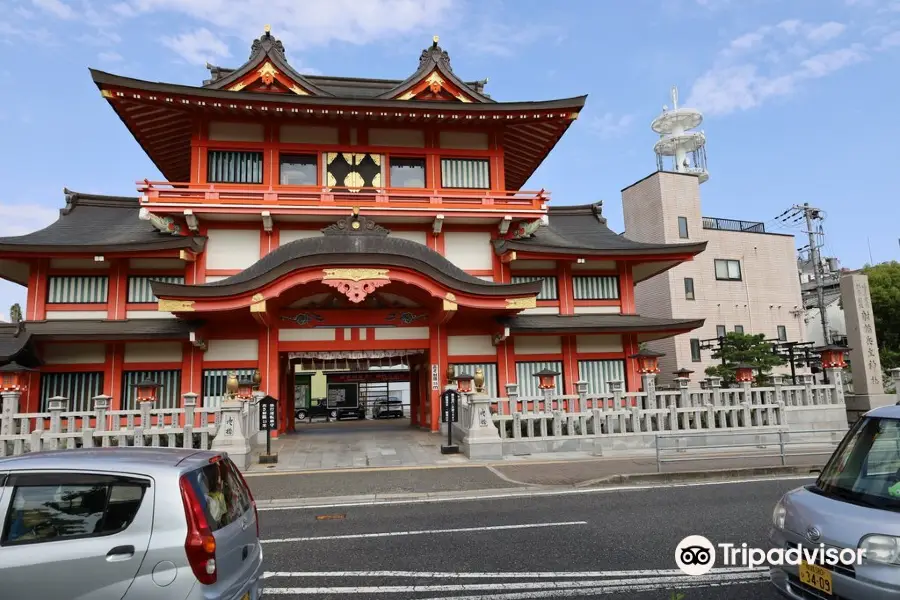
{"x":746,"y":348}
{"x":15,"y":313}
{"x":884,"y":289}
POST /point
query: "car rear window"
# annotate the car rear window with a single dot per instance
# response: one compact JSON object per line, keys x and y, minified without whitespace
{"x":62,"y":510}
{"x":221,"y":492}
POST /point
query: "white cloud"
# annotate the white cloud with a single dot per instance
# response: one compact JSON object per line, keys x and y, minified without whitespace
{"x":19,"y":219}
{"x":197,"y":47}
{"x":110,"y":56}
{"x":771,"y":62}
{"x":501,"y":39}
{"x":610,"y":125}
{"x":57,"y":8}
{"x":891,"y":40}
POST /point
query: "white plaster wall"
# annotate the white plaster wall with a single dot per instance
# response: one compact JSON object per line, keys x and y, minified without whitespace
{"x":419,"y":237}
{"x":212,"y":278}
{"x":597,"y":310}
{"x":78,"y":263}
{"x":53,"y":315}
{"x":308,"y":134}
{"x":463,"y":345}
{"x":232,"y":248}
{"x":538,"y":344}
{"x":173,"y":264}
{"x":599,"y":343}
{"x":463,"y":140}
{"x":401,"y":333}
{"x":541,"y":310}
{"x":148,"y":314}
{"x":319,"y":334}
{"x":231,"y":350}
{"x":289,"y":235}
{"x":410,"y":138}
{"x":145,"y":352}
{"x":236,"y":132}
{"x":486,"y":277}
{"x":469,"y":249}
{"x":74,"y":354}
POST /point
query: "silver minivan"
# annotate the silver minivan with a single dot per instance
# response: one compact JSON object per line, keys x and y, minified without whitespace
{"x":854,"y":505}
{"x":133,"y":523}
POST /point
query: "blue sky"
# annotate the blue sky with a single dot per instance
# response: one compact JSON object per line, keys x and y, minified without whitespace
{"x":798,"y":94}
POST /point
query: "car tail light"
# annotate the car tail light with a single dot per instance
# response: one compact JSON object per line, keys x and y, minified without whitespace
{"x":200,"y":545}
{"x":250,"y":494}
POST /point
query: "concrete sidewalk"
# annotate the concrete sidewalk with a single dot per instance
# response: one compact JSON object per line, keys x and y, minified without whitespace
{"x":524,"y":475}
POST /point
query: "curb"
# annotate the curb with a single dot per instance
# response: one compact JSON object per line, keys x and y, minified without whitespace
{"x":635,"y":480}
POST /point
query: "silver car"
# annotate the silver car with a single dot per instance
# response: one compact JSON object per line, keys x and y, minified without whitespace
{"x":855,"y":506}
{"x":133,"y":523}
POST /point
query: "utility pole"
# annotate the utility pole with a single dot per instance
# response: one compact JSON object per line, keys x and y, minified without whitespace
{"x":810,"y":213}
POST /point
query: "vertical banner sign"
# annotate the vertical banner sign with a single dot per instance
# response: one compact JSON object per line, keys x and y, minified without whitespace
{"x":450,"y":415}
{"x":435,"y":378}
{"x":268,"y":419}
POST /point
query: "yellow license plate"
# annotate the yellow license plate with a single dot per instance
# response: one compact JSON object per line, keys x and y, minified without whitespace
{"x":816,"y":577}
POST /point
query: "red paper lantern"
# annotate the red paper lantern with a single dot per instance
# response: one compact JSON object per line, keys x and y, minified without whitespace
{"x":464,"y":383}
{"x":833,"y":356}
{"x":744,"y":372}
{"x":648,"y":361}
{"x":13,"y":377}
{"x":546,"y":379}
{"x":147,"y":390}
{"x":245,"y":388}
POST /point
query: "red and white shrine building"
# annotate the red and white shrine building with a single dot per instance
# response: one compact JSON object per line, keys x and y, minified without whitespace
{"x":313,"y":222}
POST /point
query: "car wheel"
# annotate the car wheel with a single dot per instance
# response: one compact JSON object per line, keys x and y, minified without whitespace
{"x":333,"y":414}
{"x":301,"y":415}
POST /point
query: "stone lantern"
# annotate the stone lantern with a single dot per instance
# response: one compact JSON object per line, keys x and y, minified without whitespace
{"x":546,"y":379}
{"x":683,"y":373}
{"x":744,"y":372}
{"x":147,"y":390}
{"x":833,"y":356}
{"x":13,"y":377}
{"x":648,"y":361}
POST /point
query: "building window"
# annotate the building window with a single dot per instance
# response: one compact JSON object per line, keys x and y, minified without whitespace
{"x":213,"y":387}
{"x":167,"y":396}
{"x":465,"y":173}
{"x":91,"y":289}
{"x":728,"y":270}
{"x":78,"y":388}
{"x":596,"y":287}
{"x":739,"y":329}
{"x":782,"y":333}
{"x":689,"y":288}
{"x":490,"y":375}
{"x":139,"y":287}
{"x":682,"y":228}
{"x":695,"y":350}
{"x":720,"y":331}
{"x":299,"y":169}
{"x":548,"y":285}
{"x":598,"y":374}
{"x":407,"y":172}
{"x":528,"y":383}
{"x":228,"y":166}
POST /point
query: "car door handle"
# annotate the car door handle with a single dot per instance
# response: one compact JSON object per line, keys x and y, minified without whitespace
{"x":120,"y":553}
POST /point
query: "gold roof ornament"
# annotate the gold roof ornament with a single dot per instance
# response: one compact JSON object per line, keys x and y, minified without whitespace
{"x":267,"y":28}
{"x":435,"y":39}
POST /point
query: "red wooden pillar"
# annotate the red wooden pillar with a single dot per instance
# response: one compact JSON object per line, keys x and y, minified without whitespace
{"x":117,"y":290}
{"x":437,"y":360}
{"x":570,"y":364}
{"x":566,"y":288}
{"x":632,"y":375}
{"x":502,"y":368}
{"x":112,"y":375}
{"x":36,"y":301}
{"x":269,"y":370}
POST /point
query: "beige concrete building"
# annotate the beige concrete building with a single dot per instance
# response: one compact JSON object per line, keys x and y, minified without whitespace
{"x":746,"y":279}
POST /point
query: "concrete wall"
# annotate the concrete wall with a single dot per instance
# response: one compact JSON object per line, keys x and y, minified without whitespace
{"x":767,"y":296}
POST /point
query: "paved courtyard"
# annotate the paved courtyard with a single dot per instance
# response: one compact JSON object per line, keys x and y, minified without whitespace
{"x":359,"y":444}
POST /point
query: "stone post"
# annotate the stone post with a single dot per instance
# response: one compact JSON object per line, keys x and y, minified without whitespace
{"x":806,"y":380}
{"x":777,"y":383}
{"x":682,"y":383}
{"x":56,"y":405}
{"x":101,"y":405}
{"x":895,"y":375}
{"x":836,"y":377}
{"x":9,"y":409}
{"x":868,"y":387}
{"x":482,"y":440}
{"x":230,"y":435}
{"x":648,"y":381}
{"x":548,"y":409}
{"x":189,"y":403}
{"x":512,"y":392}
{"x":581,"y":387}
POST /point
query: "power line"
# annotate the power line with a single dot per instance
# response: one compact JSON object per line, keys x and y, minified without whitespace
{"x":809,"y":214}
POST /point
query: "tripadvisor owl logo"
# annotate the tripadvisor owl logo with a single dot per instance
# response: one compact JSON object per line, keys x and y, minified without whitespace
{"x":695,"y":555}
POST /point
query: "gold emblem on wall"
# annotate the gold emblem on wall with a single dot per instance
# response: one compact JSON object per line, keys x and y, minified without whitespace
{"x":435,"y":83}
{"x":522,"y":302}
{"x":356,"y":274}
{"x":267,"y":73}
{"x":175,"y":306}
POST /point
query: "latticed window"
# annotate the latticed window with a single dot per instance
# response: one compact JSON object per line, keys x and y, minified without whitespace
{"x":168,"y":396}
{"x":596,"y":287}
{"x":79,"y":388}
{"x":548,"y":285}
{"x":490,"y":375}
{"x":214,"y":381}
{"x":227,"y":166}
{"x":598,"y":374}
{"x":465,"y":173}
{"x":69,"y":289}
{"x":139,"y":287}
{"x":528,"y":383}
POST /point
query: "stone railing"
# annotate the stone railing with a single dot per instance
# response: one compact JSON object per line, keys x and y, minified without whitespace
{"x":187,"y":427}
{"x":630,"y":420}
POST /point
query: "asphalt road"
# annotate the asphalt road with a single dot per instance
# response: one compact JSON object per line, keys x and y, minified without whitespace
{"x":584,"y":545}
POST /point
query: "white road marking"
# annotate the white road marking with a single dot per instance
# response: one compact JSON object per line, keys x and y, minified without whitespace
{"x":506,"y":575}
{"x":597,"y":586}
{"x":422,"y":532}
{"x":533,"y":494}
